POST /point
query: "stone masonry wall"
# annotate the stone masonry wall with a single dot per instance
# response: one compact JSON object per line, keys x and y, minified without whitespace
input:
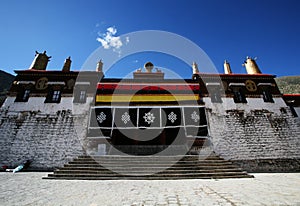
{"x":48,"y":134}
{"x":49,"y":140}
{"x":259,"y":140}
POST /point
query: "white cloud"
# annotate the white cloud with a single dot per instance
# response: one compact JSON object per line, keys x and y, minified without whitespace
{"x":116,"y":42}
{"x":111,"y":30}
{"x":103,"y":42}
{"x":109,"y":40}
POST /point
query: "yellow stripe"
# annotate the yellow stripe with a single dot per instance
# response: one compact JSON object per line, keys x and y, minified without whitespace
{"x":145,"y":98}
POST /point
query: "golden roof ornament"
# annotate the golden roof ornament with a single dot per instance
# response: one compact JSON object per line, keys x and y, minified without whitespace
{"x":99,"y":67}
{"x":195,"y":68}
{"x":67,"y":65}
{"x":251,"y":66}
{"x":149,"y":66}
{"x":227,"y":68}
{"x":40,"y":61}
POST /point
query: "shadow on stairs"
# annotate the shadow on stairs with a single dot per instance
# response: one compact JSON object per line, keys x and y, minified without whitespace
{"x":116,"y":167}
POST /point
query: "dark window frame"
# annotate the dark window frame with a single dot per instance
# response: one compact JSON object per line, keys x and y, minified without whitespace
{"x":267,"y":96}
{"x":56,"y":95}
{"x":23,"y":96}
{"x":239,"y":95}
{"x":79,"y":97}
{"x":216,"y":97}
{"x":215,"y":93}
{"x":53,"y":96}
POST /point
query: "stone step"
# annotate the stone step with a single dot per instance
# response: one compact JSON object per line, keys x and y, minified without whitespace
{"x":144,"y":177}
{"x":175,"y":167}
{"x":148,"y":149}
{"x":143,"y":171}
{"x":91,"y":161}
{"x":144,"y":167}
{"x":147,"y":159}
{"x":158,"y":175}
{"x":150,"y":165}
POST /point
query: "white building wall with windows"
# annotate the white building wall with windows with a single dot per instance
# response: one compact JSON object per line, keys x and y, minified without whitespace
{"x":252,"y":104}
{"x":38,"y":104}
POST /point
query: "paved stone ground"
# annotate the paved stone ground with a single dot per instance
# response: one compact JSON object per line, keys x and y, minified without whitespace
{"x":264,"y":189}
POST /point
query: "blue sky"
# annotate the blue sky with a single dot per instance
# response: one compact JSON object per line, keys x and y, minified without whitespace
{"x":231,"y":29}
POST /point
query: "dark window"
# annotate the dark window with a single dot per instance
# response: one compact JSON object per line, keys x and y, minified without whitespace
{"x":56,"y":96}
{"x":80,"y":96}
{"x":216,"y":97}
{"x":53,"y":96}
{"x":267,"y":96}
{"x":214,"y":93}
{"x":239,"y":96}
{"x":23,"y":96}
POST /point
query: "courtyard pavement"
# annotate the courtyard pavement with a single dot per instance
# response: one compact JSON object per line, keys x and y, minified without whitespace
{"x":28,"y":188}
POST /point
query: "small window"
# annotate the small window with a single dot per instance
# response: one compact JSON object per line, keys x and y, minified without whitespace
{"x":23,"y":96}
{"x":214,"y":90}
{"x":56,"y":96}
{"x":267,"y":96}
{"x":53,"y":96}
{"x":216,"y":97}
{"x":80,"y":97}
{"x":239,"y":96}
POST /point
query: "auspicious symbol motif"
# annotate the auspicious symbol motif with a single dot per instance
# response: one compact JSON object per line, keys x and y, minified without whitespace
{"x":172,"y":117}
{"x":41,"y":83}
{"x":195,"y":116}
{"x":250,"y":85}
{"x":70,"y":83}
{"x":125,"y":117}
{"x":149,"y":117}
{"x":101,"y":117}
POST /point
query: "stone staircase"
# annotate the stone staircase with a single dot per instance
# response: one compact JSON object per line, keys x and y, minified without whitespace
{"x":143,"y":150}
{"x":114,"y":167}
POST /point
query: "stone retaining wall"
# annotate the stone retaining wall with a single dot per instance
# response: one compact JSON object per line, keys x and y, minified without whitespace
{"x":49,"y":140}
{"x":48,"y":134}
{"x":257,"y":139}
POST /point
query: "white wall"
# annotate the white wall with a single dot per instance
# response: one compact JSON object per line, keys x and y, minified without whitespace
{"x":252,"y":104}
{"x":37,"y":104}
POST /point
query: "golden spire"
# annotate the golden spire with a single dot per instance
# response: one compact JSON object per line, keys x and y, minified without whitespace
{"x":40,"y":61}
{"x":227,"y":69}
{"x":67,"y":65}
{"x":195,"y":68}
{"x":99,"y":67}
{"x":251,"y":66}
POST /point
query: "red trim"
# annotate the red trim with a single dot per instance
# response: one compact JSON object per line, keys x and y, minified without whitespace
{"x":179,"y":87}
{"x":136,"y":87}
{"x":291,"y":95}
{"x":154,"y":88}
{"x":107,"y":86}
